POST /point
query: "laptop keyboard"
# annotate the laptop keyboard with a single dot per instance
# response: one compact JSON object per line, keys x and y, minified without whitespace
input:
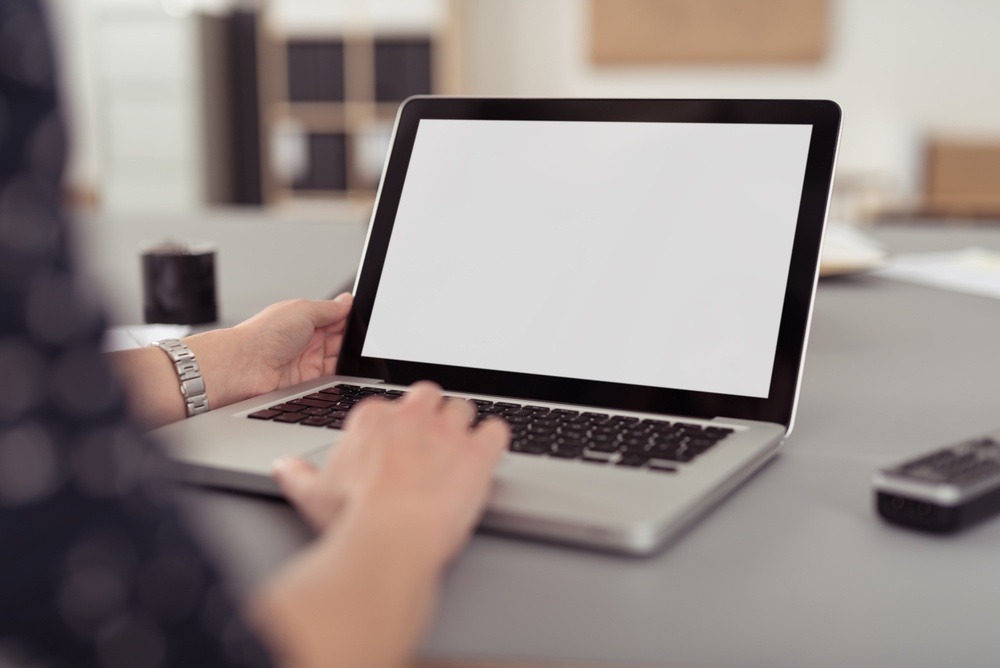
{"x":589,"y":436}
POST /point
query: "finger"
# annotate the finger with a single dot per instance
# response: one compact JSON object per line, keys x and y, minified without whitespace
{"x":424,"y":397}
{"x":367,"y":411}
{"x":326,"y":313}
{"x":462,"y":411}
{"x":493,"y":437}
{"x":296,"y":478}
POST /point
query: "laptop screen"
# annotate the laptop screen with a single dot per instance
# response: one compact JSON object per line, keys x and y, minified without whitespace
{"x":651,"y":254}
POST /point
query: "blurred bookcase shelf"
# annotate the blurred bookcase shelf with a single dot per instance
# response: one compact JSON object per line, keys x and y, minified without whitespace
{"x":332,"y":74}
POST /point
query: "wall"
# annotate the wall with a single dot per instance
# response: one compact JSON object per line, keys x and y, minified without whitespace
{"x":899,"y":68}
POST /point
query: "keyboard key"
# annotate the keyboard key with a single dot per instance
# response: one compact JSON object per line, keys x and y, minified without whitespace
{"x":529,"y":447}
{"x":623,"y":419}
{"x":265,"y":414}
{"x":287,"y":408}
{"x":606,"y":446}
{"x":632,"y":459}
{"x":316,"y":411}
{"x":639,"y":448}
{"x":566,"y":451}
{"x":317,"y":421}
{"x":661,"y":466}
{"x":290,"y":417}
{"x":312,"y":403}
{"x":676,"y":455}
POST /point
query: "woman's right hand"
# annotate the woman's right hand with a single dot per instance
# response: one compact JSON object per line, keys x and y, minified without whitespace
{"x":410,"y":466}
{"x":398,"y":497}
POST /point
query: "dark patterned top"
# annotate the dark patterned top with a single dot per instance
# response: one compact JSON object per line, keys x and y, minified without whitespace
{"x":96,"y":569}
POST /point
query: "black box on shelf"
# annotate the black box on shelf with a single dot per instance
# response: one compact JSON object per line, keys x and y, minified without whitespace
{"x":403,"y":67}
{"x":316,"y":71}
{"x":327,"y":163}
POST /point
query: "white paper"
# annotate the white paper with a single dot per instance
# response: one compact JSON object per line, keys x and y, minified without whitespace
{"x":971,"y":270}
{"x":846,"y":251}
{"x":140,"y":336}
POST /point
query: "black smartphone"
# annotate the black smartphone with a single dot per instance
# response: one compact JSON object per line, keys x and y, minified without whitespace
{"x":944,"y":490}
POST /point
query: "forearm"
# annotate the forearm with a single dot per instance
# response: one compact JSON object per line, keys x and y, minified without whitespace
{"x":359,"y":598}
{"x":153,"y":389}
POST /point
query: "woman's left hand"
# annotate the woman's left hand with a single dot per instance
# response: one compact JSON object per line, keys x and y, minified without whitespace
{"x":287,"y":343}
{"x":290,"y":342}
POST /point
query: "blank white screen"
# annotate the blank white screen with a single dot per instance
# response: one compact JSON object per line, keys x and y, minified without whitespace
{"x":652,"y":254}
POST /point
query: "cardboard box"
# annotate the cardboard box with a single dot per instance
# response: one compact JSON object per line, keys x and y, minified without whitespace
{"x":632,"y":32}
{"x":963,"y":178}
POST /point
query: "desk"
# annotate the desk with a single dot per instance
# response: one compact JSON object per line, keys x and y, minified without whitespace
{"x":794,"y":569}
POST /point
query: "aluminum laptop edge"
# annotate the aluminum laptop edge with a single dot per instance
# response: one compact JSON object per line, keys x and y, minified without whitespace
{"x":650,"y":259}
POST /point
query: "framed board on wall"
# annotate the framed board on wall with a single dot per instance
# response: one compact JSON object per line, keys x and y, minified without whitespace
{"x":632,"y":32}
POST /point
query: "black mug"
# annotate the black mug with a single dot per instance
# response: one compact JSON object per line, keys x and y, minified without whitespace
{"x":178,"y":284}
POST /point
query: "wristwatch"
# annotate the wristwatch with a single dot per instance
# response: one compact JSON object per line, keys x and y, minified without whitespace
{"x":189,"y":374}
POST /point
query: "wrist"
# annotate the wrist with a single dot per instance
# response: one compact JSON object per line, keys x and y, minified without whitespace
{"x":192,"y":384}
{"x":355,"y":597}
{"x":394,"y":534}
{"x":221,"y":359}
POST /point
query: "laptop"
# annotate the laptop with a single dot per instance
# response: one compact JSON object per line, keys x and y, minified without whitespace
{"x":628,"y":283}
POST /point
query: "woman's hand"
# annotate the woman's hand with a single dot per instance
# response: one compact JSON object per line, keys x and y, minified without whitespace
{"x":411,"y":467}
{"x":398,"y":497}
{"x":291,"y":342}
{"x":287,"y":343}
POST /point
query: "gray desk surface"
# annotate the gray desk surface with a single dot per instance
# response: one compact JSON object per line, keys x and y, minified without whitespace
{"x":794,"y":569}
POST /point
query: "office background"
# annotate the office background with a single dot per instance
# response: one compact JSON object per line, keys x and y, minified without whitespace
{"x":907,"y":73}
{"x":795,"y":570}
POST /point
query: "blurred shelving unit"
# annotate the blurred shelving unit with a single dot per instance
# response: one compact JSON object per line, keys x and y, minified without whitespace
{"x":332,"y":74}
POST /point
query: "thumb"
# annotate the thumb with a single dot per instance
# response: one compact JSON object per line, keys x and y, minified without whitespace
{"x":296,"y":478}
{"x":331,"y":312}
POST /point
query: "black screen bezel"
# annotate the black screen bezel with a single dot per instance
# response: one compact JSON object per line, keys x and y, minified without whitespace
{"x":777,"y":407}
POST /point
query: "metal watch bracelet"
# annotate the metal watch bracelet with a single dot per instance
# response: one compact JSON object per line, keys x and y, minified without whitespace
{"x":188,"y":373}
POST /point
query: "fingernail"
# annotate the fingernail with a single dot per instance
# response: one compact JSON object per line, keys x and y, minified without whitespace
{"x":342,"y":296}
{"x":279,"y":466}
